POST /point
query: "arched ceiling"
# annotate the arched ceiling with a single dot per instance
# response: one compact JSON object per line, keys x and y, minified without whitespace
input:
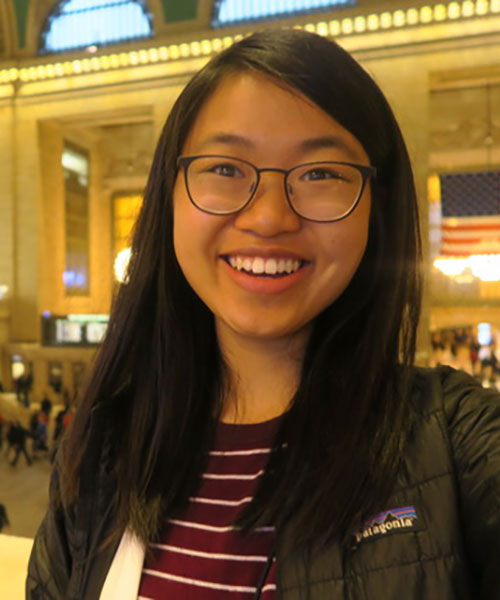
{"x":8,"y":33}
{"x":21,"y":20}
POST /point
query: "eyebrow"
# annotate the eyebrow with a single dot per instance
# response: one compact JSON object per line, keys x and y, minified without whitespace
{"x":307,"y":145}
{"x":230,"y":139}
{"x":327,"y":141}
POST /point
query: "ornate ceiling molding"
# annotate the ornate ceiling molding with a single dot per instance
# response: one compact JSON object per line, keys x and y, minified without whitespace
{"x":390,"y":31}
{"x":39,"y":10}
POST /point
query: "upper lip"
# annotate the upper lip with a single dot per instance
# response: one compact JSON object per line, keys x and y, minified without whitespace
{"x":253,"y":252}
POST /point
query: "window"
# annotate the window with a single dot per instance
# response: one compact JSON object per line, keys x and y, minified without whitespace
{"x":126,"y":209}
{"x":231,"y":12}
{"x":78,"y":24}
{"x":75,"y":164}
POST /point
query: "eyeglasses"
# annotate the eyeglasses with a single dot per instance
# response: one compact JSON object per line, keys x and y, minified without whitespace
{"x":318,"y":191}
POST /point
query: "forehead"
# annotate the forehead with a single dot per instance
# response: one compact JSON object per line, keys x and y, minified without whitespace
{"x":253,"y":111}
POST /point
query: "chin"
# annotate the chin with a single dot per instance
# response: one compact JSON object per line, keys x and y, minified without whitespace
{"x":264,"y":330}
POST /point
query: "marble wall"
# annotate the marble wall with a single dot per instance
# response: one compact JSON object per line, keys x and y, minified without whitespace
{"x":436,"y":77}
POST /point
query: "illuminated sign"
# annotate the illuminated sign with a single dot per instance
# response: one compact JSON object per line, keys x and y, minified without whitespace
{"x":73,"y":330}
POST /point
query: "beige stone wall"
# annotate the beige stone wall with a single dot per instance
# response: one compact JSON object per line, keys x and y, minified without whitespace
{"x":52,"y":225}
{"x":411,"y":65}
{"x":32,"y":221}
{"x":7,"y":246}
{"x":446,"y":131}
{"x":404,"y":80}
{"x":26,"y":198}
{"x":7,"y":213}
{"x":464,"y":131}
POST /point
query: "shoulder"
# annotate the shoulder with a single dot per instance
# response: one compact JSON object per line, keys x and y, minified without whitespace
{"x":48,"y":567}
{"x":469,"y":418}
{"x":471,"y":422}
{"x":459,"y":396}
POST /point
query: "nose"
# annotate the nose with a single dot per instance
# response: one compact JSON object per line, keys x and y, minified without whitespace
{"x":268,"y":214}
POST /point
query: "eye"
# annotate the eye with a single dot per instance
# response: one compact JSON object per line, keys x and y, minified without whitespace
{"x":226,"y":170}
{"x":322,"y":173}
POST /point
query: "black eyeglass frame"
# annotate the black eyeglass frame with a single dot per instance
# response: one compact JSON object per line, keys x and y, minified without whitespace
{"x":367,"y":172}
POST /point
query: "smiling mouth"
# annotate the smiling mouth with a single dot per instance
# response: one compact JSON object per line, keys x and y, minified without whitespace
{"x":264,"y":267}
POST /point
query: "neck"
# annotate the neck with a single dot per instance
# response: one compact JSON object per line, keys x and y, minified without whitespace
{"x":263,"y":374}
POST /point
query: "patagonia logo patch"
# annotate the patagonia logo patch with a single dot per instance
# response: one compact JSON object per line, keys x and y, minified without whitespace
{"x":393,"y":520}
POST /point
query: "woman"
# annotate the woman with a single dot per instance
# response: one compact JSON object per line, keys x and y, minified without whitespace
{"x":254,"y":427}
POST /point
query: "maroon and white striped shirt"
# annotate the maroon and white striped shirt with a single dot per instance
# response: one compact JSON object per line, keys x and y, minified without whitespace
{"x":200,"y":555}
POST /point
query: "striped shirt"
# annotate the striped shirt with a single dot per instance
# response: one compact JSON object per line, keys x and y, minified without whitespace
{"x":200,"y":555}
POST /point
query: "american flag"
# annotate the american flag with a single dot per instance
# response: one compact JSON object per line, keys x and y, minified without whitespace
{"x":470,"y":207}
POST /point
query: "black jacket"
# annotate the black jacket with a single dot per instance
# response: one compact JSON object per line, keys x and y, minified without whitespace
{"x":438,"y":537}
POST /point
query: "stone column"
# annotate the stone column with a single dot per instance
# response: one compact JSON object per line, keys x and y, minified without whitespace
{"x":26,"y":197}
{"x":7,"y":248}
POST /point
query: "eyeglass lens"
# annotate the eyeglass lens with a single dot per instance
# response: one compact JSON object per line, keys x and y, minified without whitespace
{"x":321,"y":191}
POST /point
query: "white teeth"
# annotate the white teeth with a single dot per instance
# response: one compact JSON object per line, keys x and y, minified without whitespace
{"x":259,"y":265}
{"x":271,"y":266}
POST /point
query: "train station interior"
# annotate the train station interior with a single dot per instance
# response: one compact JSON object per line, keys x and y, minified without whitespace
{"x":85,"y":87}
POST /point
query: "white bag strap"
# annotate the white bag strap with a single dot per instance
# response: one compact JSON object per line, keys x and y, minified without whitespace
{"x":124,"y":575}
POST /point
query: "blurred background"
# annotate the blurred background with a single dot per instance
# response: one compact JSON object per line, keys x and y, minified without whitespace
{"x":85,"y":86}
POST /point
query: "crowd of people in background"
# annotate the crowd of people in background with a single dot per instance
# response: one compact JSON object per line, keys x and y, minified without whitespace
{"x":457,"y":347}
{"x":37,"y":440}
{"x":41,"y":437}
{"x":460,"y":348}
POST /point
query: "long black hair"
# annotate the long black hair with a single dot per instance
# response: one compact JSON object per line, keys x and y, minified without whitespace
{"x":159,"y":377}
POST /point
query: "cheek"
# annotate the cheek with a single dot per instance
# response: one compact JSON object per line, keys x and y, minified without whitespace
{"x":183,"y":223}
{"x":361,"y":226}
{"x":196,"y":238}
{"x":344,"y":248}
{"x":350,"y":240}
{"x":185,"y":250}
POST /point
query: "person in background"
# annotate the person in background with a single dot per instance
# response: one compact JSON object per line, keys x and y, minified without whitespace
{"x":23,"y":384}
{"x":4,"y":519}
{"x":41,"y":433}
{"x":18,"y":437}
{"x":46,"y":404}
{"x":254,"y":426}
{"x":2,"y":423}
{"x":59,"y":422}
{"x":489,"y":364}
{"x":68,"y":417}
{"x":10,"y":437}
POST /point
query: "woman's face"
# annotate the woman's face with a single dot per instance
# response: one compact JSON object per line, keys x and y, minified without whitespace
{"x":249,"y":116}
